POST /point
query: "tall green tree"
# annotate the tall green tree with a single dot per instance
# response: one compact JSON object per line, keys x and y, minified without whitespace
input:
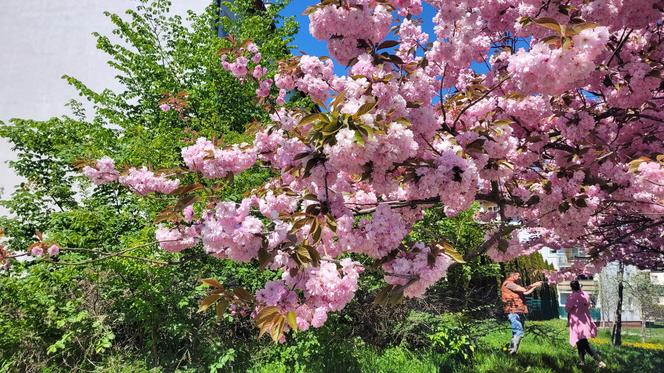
{"x":113,"y":289}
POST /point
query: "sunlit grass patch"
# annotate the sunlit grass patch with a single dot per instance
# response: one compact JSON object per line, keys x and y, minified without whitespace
{"x":643,"y":345}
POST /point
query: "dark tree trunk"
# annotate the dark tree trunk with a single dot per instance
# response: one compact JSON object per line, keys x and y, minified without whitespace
{"x":617,"y":324}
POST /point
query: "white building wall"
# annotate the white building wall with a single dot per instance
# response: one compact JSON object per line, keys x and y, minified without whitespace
{"x":657,"y":278}
{"x":608,"y":294}
{"x":44,"y":39}
{"x":607,"y":285}
{"x":556,"y":258}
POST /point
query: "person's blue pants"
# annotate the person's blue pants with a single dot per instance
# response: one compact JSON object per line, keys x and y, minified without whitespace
{"x":517,"y":321}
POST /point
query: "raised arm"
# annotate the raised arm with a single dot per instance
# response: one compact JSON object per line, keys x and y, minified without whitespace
{"x":516,"y":288}
{"x":520,"y":289}
{"x":532,"y":287}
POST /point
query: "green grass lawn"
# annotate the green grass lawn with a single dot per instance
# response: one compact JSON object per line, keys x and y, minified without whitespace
{"x":553,"y":353}
{"x":545,"y":348}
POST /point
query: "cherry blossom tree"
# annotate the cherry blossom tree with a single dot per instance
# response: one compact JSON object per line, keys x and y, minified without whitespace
{"x":560,"y":138}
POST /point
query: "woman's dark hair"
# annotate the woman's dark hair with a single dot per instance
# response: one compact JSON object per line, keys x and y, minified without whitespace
{"x":575,"y":285}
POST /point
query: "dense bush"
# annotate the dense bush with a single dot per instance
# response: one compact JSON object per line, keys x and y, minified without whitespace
{"x":112,"y":293}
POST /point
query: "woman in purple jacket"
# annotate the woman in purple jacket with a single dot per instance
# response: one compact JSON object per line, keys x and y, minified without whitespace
{"x":580,"y":324}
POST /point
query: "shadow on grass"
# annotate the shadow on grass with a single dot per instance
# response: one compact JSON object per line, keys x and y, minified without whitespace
{"x":629,"y":359}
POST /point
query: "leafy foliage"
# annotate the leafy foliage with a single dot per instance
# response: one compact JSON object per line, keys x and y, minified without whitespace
{"x":111,"y":290}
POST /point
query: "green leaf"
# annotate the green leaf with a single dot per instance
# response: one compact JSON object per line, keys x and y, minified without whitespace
{"x":358,"y":138}
{"x":533,"y":200}
{"x":564,"y":206}
{"x":395,"y":59}
{"x":503,"y":245}
{"x":575,"y":29}
{"x":338,"y":100}
{"x":302,"y":255}
{"x":278,"y":329}
{"x":450,"y":251}
{"x":208,"y":301}
{"x":314,"y":255}
{"x":185,"y":201}
{"x":312,"y":118}
{"x":388,"y":44}
{"x":292,"y":320}
{"x":263,"y":257}
{"x":365,"y":108}
{"x":243,"y":295}
{"x":221,"y":307}
{"x":212,"y":282}
{"x":550,"y":24}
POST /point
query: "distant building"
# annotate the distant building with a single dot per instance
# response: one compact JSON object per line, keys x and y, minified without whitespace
{"x":602,"y":287}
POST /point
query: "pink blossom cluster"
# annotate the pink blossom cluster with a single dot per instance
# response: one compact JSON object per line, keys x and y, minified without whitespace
{"x":238,"y":68}
{"x":375,"y":237}
{"x":451,"y":178}
{"x":228,"y":231}
{"x":242,"y":66}
{"x":276,"y":149}
{"x":325,"y":289}
{"x":38,"y":250}
{"x":524,"y":242}
{"x":459,"y":37}
{"x":276,"y":293}
{"x":104,"y":171}
{"x":316,"y":77}
{"x":411,"y":37}
{"x":143,"y":181}
{"x":571,"y":273}
{"x":547,"y":62}
{"x":272,"y":206}
{"x":343,"y":26}
{"x":215,"y":163}
{"x":407,"y":7}
{"x":177,"y":239}
{"x":415,"y":271}
{"x":648,"y":189}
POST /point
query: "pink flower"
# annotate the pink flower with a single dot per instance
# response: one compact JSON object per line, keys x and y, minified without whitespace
{"x":414,"y":269}
{"x":37,"y":251}
{"x":178,"y":239}
{"x":264,"y":88}
{"x":142,"y":181}
{"x":319,"y":317}
{"x":53,"y":250}
{"x":188,"y":213}
{"x":212,"y":162}
{"x":252,"y":48}
{"x":259,"y":71}
{"x":104,"y":172}
{"x":165,"y":107}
